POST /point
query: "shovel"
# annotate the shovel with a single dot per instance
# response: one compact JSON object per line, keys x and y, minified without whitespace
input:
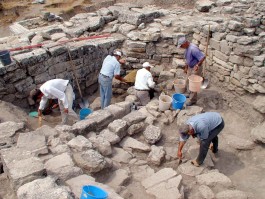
{"x":205,"y":81}
{"x":84,"y":102}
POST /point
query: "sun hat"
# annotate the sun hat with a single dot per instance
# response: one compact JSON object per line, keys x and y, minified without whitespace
{"x":117,"y":52}
{"x":181,"y":41}
{"x":147,"y":64}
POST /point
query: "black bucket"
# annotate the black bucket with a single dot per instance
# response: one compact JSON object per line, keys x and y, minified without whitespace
{"x":5,"y":57}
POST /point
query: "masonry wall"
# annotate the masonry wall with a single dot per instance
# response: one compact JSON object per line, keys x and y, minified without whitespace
{"x":33,"y":68}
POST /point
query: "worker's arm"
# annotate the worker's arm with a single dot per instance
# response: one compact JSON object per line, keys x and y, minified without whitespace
{"x":42,"y":104}
{"x":181,"y":145}
{"x":199,"y":64}
{"x":150,"y":82}
{"x":118,"y":77}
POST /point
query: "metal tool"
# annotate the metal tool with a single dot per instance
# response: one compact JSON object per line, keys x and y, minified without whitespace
{"x":84,"y":102}
{"x":205,"y":81}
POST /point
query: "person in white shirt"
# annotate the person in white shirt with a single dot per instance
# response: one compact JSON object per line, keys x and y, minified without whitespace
{"x":57,"y":89}
{"x":143,"y":83}
{"x":110,"y":68}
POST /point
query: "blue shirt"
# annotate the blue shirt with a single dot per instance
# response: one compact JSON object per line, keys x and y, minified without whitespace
{"x":193,"y":55}
{"x":110,"y":66}
{"x":203,"y":124}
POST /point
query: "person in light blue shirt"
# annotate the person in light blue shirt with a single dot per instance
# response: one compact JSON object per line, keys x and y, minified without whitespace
{"x":205,"y":127}
{"x":194,"y":59}
{"x":110,"y":68}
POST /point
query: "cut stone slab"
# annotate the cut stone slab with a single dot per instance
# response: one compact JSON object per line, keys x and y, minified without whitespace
{"x":47,"y":131}
{"x":90,"y":160}
{"x":43,"y":189}
{"x":110,"y":136}
{"x":118,"y":178}
{"x":206,"y":192}
{"x":62,"y":166}
{"x":239,"y":143}
{"x":157,"y":155}
{"x":13,"y":154}
{"x":131,"y":143}
{"x":32,"y":142}
{"x":80,"y":143}
{"x":189,"y":169}
{"x":257,"y":134}
{"x":160,"y":176}
{"x":142,"y":172}
{"x":85,"y":126}
{"x":126,"y":106}
{"x":213,"y":179}
{"x":118,"y":127}
{"x":24,"y":171}
{"x":78,"y":182}
{"x":152,"y":134}
{"x":102,"y":145}
{"x":169,"y":188}
{"x":121,"y":156}
{"x":102,"y":118}
{"x":117,"y":111}
{"x":8,"y":129}
{"x":231,"y":194}
{"x":134,"y":118}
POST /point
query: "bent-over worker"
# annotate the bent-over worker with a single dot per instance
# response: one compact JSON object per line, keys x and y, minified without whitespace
{"x":57,"y":89}
{"x":194,"y":59}
{"x":205,"y":127}
{"x":143,"y":83}
{"x":110,"y":68}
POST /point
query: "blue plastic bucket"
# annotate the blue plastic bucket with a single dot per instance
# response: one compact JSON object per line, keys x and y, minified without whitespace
{"x":178,"y":101}
{"x":5,"y":57}
{"x":84,"y":112}
{"x":93,"y":192}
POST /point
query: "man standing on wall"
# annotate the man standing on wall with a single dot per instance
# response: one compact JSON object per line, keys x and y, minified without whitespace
{"x":194,"y":59}
{"x":143,"y":83}
{"x":110,"y":68}
{"x":205,"y":127}
{"x":56,"y":89}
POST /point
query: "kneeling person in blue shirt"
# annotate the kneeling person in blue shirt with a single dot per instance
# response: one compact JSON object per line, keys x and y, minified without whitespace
{"x":205,"y":127}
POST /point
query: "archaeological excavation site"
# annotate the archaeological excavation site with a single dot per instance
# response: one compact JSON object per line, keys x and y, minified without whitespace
{"x":116,"y":99}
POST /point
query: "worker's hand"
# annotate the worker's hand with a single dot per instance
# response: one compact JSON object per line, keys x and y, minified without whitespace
{"x":196,"y":68}
{"x":66,"y":110}
{"x":122,"y":61}
{"x":179,"y":154}
{"x":39,"y":113}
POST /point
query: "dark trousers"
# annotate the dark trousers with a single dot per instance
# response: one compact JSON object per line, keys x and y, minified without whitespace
{"x":204,"y":145}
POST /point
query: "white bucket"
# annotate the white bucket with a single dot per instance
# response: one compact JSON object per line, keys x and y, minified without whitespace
{"x":164,"y":102}
{"x":195,"y":83}
{"x":180,"y":85}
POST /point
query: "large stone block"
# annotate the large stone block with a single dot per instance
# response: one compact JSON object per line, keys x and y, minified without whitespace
{"x":214,"y":179}
{"x":102,"y":118}
{"x":116,"y":111}
{"x":152,"y":134}
{"x":24,"y":171}
{"x":102,"y":145}
{"x":215,"y":44}
{"x":131,"y":143}
{"x":85,"y":126}
{"x":90,"y":160}
{"x":110,"y":136}
{"x":159,"y":177}
{"x":43,"y":189}
{"x":225,"y":48}
{"x":134,"y":117}
{"x":118,"y":127}
{"x":9,"y":129}
{"x":221,"y":55}
{"x":236,"y":59}
{"x":32,"y":142}
{"x":62,"y":166}
{"x":80,"y":143}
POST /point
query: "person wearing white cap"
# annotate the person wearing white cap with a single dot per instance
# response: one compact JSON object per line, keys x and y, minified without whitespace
{"x":143,"y":83}
{"x":110,"y":68}
{"x":194,"y":58}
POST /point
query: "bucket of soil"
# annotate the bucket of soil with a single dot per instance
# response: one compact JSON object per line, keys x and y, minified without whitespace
{"x":180,"y":85}
{"x":164,"y":102}
{"x":93,"y":192}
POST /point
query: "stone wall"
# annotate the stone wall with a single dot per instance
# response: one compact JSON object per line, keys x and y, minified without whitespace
{"x":39,"y":65}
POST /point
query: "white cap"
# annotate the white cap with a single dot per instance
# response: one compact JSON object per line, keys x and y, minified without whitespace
{"x":181,"y":41}
{"x":117,"y":53}
{"x":147,"y":64}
